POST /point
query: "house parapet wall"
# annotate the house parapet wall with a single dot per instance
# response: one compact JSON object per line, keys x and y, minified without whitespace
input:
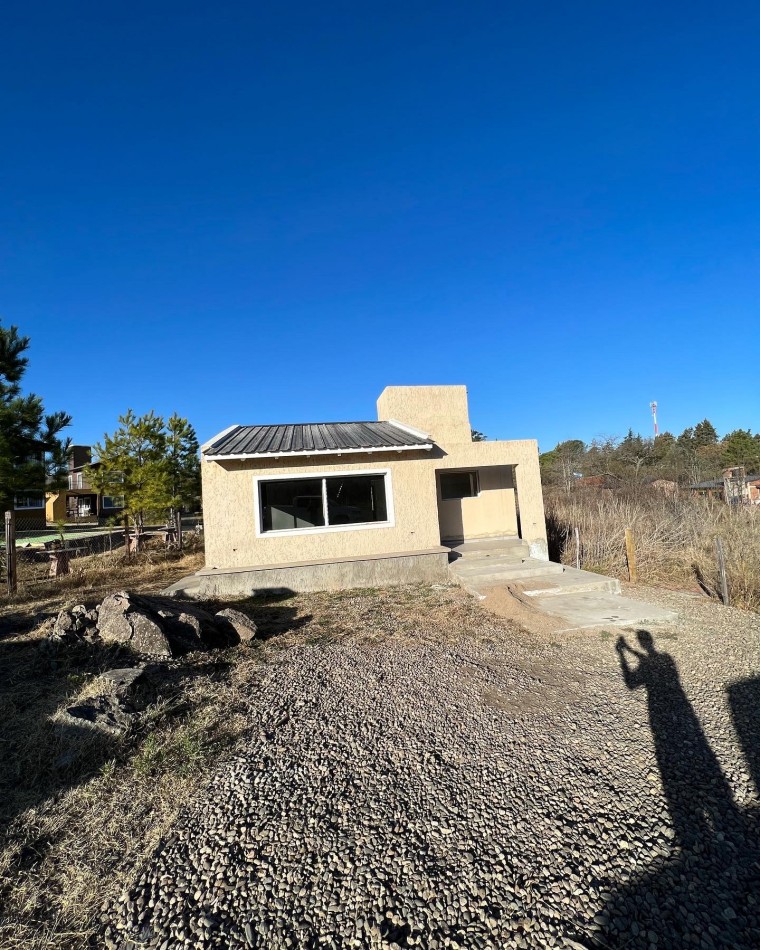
{"x":439,"y":411}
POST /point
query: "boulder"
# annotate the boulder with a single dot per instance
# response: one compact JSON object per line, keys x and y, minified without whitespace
{"x":127,"y":618}
{"x":160,"y":626}
{"x":194,"y":625}
{"x":244,"y":627}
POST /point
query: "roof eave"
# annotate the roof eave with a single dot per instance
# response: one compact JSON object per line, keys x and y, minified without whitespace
{"x":243,"y":456}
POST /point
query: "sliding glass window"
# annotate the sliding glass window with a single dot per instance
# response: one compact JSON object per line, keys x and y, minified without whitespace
{"x":304,"y":503}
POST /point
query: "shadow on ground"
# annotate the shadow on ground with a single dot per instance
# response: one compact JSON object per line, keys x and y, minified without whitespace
{"x":707,"y":892}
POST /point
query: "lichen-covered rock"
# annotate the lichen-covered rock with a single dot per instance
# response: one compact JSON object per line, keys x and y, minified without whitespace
{"x":243,"y":626}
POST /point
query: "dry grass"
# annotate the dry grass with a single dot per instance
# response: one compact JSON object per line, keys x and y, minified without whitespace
{"x":80,"y":812}
{"x":674,"y":538}
{"x":92,"y":577}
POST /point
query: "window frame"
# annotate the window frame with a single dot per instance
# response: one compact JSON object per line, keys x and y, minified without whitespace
{"x":474,"y":482}
{"x":104,"y":506}
{"x":39,"y":507}
{"x":322,"y":476}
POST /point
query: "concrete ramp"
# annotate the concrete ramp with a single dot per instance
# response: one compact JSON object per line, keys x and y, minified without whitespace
{"x":579,"y":598}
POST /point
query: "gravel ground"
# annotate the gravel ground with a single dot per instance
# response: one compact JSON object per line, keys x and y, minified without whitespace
{"x":470,"y":784}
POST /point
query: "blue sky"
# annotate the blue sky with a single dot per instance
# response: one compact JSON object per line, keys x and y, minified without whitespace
{"x":297,"y":204}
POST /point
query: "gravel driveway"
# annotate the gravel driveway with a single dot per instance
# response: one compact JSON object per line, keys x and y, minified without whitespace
{"x":459,"y":782}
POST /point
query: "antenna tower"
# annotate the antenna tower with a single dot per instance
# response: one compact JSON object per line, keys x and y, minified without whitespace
{"x":653,"y":407}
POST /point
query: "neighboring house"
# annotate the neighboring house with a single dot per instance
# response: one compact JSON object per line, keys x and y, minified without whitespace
{"x":79,"y":501}
{"x":335,"y":505}
{"x":735,"y":487}
{"x":30,"y":505}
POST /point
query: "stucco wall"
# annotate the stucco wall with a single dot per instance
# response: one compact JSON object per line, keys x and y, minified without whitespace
{"x":440,"y":411}
{"x":492,"y":513}
{"x":228,"y":504}
{"x":228,"y":512}
{"x":55,"y":506}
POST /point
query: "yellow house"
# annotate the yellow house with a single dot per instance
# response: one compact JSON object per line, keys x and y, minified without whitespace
{"x":336,"y":505}
{"x":80,"y":502}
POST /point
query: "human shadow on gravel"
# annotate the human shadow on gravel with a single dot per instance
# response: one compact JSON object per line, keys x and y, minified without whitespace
{"x":706,"y":892}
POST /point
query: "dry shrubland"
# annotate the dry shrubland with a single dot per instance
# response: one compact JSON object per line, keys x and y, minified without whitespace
{"x":674,"y":538}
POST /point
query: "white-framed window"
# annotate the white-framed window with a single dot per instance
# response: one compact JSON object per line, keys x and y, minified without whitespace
{"x":29,"y":501}
{"x":459,"y":485}
{"x":112,"y":501}
{"x":75,"y":480}
{"x":334,"y":501}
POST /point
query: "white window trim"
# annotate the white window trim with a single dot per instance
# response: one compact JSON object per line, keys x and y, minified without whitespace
{"x":111,"y":507}
{"x":390,"y":521}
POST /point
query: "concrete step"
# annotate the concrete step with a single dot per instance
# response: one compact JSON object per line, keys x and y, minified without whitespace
{"x":492,"y":565}
{"x":570,"y":581}
{"x":492,"y":575}
{"x":488,"y":546}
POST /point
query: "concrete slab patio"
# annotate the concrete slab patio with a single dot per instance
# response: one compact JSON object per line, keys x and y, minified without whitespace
{"x":579,"y":598}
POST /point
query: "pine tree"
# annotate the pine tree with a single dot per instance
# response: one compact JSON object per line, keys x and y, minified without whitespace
{"x":704,"y":434}
{"x":152,"y":464}
{"x":184,"y":463}
{"x":740,"y":448}
{"x":32,"y":455}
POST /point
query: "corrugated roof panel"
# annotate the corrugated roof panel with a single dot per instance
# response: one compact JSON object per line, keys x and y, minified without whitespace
{"x":314,"y":437}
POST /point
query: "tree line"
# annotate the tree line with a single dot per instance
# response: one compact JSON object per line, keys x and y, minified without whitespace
{"x":697,"y":454}
{"x":151,"y":463}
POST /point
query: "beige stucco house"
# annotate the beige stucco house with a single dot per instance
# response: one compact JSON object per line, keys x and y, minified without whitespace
{"x":335,"y":505}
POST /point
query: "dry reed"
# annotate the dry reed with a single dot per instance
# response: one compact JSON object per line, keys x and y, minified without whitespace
{"x":674,"y":538}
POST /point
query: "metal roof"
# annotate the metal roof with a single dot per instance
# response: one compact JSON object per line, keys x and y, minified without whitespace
{"x":316,"y":438}
{"x":718,"y":482}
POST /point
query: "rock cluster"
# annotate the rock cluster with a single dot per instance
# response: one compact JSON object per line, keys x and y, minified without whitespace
{"x":76,"y":624}
{"x":154,"y":626}
{"x":456,"y":795}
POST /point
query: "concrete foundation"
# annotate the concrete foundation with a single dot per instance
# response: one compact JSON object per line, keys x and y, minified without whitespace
{"x":416,"y":567}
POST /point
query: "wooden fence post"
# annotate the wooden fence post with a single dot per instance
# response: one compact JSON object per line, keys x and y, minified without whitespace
{"x":722,"y":572}
{"x":10,"y":551}
{"x":577,"y":548}
{"x":126,"y":536}
{"x":630,"y":553}
{"x":178,"y":525}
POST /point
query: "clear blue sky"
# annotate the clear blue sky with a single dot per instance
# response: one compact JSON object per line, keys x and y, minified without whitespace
{"x":295,"y":204}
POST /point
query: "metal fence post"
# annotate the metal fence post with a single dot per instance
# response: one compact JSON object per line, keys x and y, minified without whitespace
{"x":10,"y":550}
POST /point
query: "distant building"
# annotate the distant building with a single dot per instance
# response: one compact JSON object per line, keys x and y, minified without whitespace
{"x":735,"y":487}
{"x":79,"y":501}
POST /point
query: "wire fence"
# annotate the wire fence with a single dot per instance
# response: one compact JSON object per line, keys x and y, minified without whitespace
{"x":34,"y":553}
